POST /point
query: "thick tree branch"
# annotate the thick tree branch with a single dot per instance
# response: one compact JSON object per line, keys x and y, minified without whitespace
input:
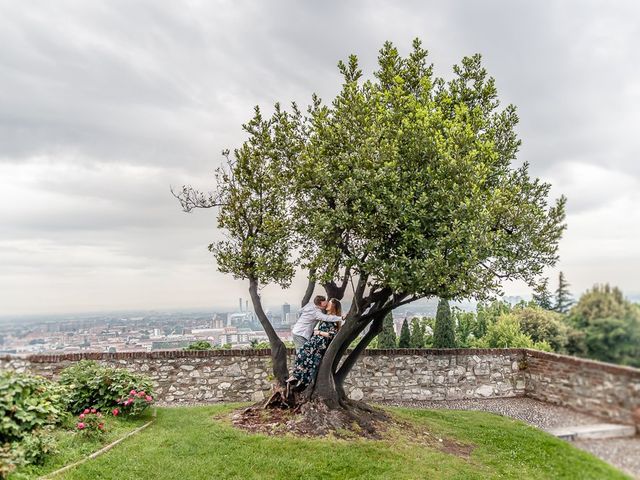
{"x":350,"y":361}
{"x":278,"y":349}
{"x":311,"y":285}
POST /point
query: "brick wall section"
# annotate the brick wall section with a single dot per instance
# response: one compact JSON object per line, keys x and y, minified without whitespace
{"x":603,"y":389}
{"x":244,"y":375}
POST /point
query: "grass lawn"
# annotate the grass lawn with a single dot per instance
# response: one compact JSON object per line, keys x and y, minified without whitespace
{"x":71,"y":446}
{"x":189,"y":443}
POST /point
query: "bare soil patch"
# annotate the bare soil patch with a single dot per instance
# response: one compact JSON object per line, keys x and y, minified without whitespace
{"x":359,"y":421}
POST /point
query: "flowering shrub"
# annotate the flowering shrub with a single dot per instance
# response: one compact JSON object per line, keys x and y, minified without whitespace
{"x":101,"y":387}
{"x":90,"y":422}
{"x":135,"y":403}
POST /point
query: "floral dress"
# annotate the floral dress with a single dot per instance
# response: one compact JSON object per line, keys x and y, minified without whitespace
{"x":310,"y":355}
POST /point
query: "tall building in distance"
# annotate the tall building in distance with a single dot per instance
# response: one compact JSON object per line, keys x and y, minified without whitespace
{"x":286,"y":310}
{"x":240,"y":304}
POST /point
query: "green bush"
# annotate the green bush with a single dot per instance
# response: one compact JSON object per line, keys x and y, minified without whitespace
{"x":200,"y":345}
{"x":102,"y":388}
{"x":27,"y":403}
{"x":506,"y":333}
{"x":10,"y":459}
{"x":36,"y":445}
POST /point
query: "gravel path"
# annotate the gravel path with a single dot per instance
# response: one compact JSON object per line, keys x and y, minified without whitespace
{"x":623,"y":453}
{"x":541,"y":414}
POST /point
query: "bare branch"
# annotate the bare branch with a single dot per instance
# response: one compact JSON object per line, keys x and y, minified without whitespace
{"x":191,"y":198}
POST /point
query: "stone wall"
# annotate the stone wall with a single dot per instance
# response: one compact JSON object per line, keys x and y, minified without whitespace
{"x":602,"y":389}
{"x":244,"y":375}
{"x":598,"y":388}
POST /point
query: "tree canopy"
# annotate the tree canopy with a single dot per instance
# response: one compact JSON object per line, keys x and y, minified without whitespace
{"x":402,"y":187}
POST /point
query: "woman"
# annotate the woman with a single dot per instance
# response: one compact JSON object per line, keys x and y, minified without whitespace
{"x":310,"y":355}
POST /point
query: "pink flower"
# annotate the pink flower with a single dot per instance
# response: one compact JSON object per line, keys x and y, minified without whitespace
{"x":148,"y":398}
{"x":81,"y":416}
{"x":86,"y":410}
{"x":80,"y":425}
{"x":93,"y":410}
{"x":127,"y":402}
{"x":101,"y":426}
{"x":115,"y":412}
{"x":132,"y":392}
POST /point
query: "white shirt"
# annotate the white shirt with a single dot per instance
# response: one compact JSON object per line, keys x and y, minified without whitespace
{"x":309,"y":315}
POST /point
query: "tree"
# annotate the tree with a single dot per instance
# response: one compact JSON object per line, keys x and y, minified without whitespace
{"x":417,"y":334}
{"x":506,"y":333}
{"x":387,"y":337}
{"x":401,"y":187}
{"x":199,"y":345}
{"x":444,"y":333}
{"x":488,"y":313}
{"x":405,"y":335}
{"x":605,"y":326}
{"x":465,"y":323}
{"x":542,"y":295}
{"x":543,"y":325}
{"x":563,"y":296}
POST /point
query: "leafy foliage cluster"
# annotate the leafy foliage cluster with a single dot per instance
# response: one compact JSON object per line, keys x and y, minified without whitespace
{"x":103,"y":388}
{"x":29,"y":407}
{"x":27,"y":403}
{"x":605,"y":326}
{"x":199,"y":345}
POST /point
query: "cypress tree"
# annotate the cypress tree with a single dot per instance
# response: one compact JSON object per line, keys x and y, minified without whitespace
{"x":444,"y":335}
{"x":405,"y":335}
{"x":563,"y":296}
{"x":387,"y":337}
{"x":542,"y":295}
{"x":417,"y":334}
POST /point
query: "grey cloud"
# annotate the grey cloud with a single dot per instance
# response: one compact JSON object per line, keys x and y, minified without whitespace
{"x":115,"y":101}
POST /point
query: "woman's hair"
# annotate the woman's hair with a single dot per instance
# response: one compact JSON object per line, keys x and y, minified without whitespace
{"x":337,"y":306}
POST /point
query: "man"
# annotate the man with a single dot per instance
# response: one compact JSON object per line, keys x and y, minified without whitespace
{"x":310,"y":314}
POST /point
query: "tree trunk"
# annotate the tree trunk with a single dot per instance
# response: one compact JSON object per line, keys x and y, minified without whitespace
{"x":350,"y":361}
{"x":325,"y":386}
{"x":278,"y":349}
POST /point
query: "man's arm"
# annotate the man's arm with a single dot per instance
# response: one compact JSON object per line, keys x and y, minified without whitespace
{"x":323,"y":317}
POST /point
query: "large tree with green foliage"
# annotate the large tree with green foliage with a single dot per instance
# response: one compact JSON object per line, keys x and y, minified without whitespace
{"x":401,"y":188}
{"x":444,"y":335}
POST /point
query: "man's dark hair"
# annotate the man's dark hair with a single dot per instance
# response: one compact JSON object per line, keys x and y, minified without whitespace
{"x":318,"y":299}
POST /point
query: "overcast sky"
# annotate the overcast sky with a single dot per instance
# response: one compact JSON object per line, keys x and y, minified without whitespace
{"x":104,"y":105}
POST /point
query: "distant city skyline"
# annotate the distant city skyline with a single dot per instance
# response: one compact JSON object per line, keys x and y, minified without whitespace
{"x":104,"y":106}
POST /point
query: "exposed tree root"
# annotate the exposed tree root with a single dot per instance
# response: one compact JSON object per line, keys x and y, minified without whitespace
{"x":280,"y":415}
